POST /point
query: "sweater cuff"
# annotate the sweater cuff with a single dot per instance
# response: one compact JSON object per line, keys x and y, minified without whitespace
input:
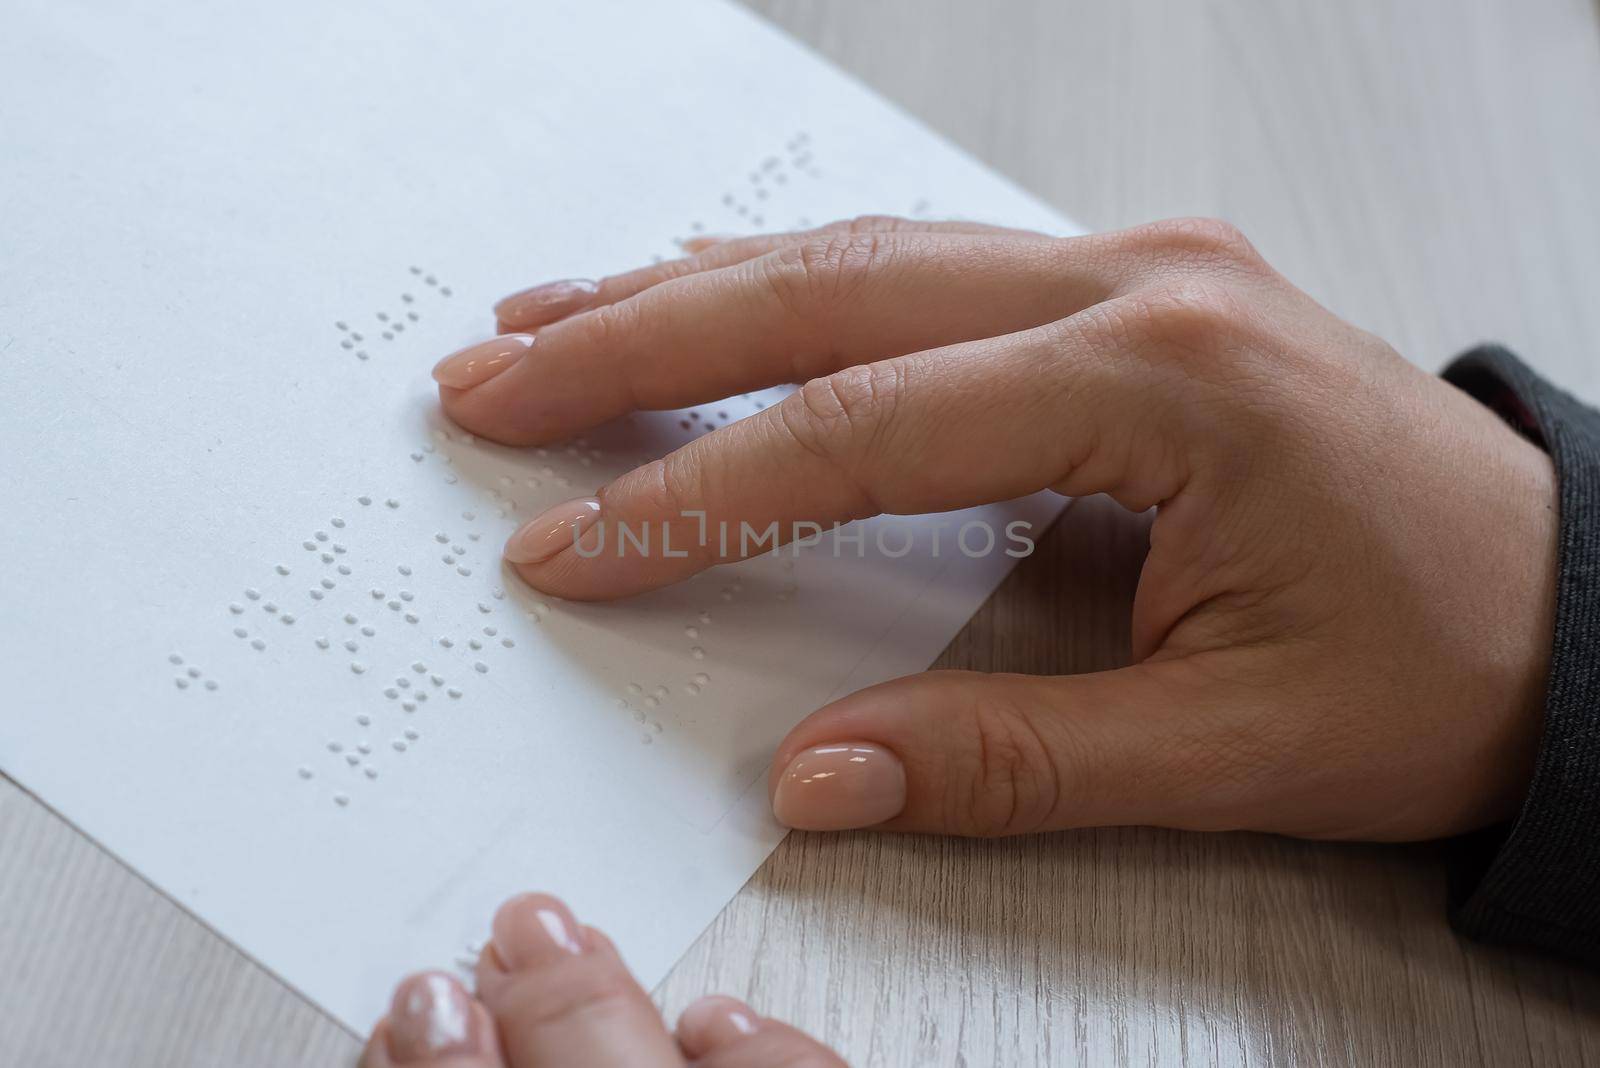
{"x":1537,"y":882}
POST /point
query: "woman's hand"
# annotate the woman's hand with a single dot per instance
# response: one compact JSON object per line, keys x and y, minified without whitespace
{"x":552,"y":993}
{"x":1342,"y":628}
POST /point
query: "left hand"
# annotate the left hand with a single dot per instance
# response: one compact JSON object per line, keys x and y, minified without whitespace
{"x":554,"y":994}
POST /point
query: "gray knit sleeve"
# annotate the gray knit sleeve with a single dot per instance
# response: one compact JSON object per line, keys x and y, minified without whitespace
{"x":1536,"y":882}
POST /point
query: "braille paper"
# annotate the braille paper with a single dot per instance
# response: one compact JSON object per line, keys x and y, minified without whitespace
{"x":235,"y":238}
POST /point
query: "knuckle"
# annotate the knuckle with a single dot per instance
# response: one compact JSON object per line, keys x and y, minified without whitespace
{"x":1188,"y":320}
{"x":1010,"y":783}
{"x":819,"y":273}
{"x":1211,"y":242}
{"x":839,"y":416}
{"x":875,"y":224}
{"x":609,"y":325}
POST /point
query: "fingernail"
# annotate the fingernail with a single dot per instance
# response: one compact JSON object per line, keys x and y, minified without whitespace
{"x":534,"y":929}
{"x":432,"y":1015}
{"x":552,"y":530}
{"x":838,"y":787}
{"x":545,"y":304}
{"x":714,"y":1022}
{"x":476,"y":364}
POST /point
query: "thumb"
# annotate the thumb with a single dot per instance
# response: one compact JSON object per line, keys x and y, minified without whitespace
{"x":959,"y":752}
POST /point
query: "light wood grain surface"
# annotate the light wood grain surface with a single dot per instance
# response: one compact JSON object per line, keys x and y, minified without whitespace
{"x":1429,"y":170}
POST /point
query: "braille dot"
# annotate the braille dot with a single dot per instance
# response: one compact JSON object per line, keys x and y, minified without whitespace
{"x":417,"y":456}
{"x":258,"y":645}
{"x":441,"y":538}
{"x":357,"y":667}
{"x":705,"y":617}
{"x":364,"y":499}
{"x":236,"y":608}
{"x":474,"y":643}
{"x":409,"y":706}
{"x":407,"y":298}
{"x":412,"y":733}
{"x":392,"y":503}
{"x":445,"y":291}
{"x":352,"y":645}
{"x":402,"y":682}
{"x":447,"y":558}
{"x":335,"y":747}
{"x":305,"y":772}
{"x":692,"y":632}
{"x":453,"y":692}
{"x":181,"y":682}
{"x":270,"y":607}
{"x":344,"y":569}
{"x":287,"y":617}
{"x":321,"y":535}
{"x":451,"y":480}
{"x":322,"y":643}
{"x":458,"y":550}
{"x":645,"y":739}
{"x":387,"y":336}
{"x":341,"y":800}
{"x":391,"y":693}
{"x":635,"y":689}
{"x":211,"y":684}
{"x":469,"y":516}
{"x":371,"y":773}
{"x":651,"y":702}
{"x":342,"y":325}
{"x":350,"y":617}
{"x":411,"y":617}
{"x":383,"y":317}
{"x":407,"y":595}
{"x":253,"y":594}
{"x":377,"y":594}
{"x":507,"y":642}
{"x":421,"y":695}
{"x":698,"y":653}
{"x":339,"y":549}
{"x":480,"y":667}
{"x":326,"y":583}
{"x":701,"y":679}
{"x":484,"y":608}
{"x":394,"y":606}
{"x":366,"y":721}
{"x":660,"y":691}
{"x":491,"y":631}
{"x":464,"y":572}
{"x":437,"y":680}
{"x":327,"y":558}
{"x":281,"y":569}
{"x":352,"y":759}
{"x":356,"y":335}
{"x":347,"y":344}
{"x":447,"y":642}
{"x":316,"y":595}
{"x":309,"y":545}
{"x":404,"y":570}
{"x":368,"y":630}
{"x":691,"y":689}
{"x":474,"y":535}
{"x":399,"y":745}
{"x":337,"y":521}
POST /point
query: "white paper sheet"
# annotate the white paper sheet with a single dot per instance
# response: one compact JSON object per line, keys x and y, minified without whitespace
{"x":192,"y":196}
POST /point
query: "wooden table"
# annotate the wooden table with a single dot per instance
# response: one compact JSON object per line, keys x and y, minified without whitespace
{"x":1429,"y":170}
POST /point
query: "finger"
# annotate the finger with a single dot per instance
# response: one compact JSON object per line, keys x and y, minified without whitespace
{"x":972,"y":754}
{"x":786,"y":316}
{"x":561,"y":995}
{"x":543,"y":304}
{"x":723,"y":1032}
{"x":433,"y":1023}
{"x":1081,"y":407}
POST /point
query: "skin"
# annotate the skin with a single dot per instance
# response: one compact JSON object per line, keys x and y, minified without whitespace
{"x":1342,"y":628}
